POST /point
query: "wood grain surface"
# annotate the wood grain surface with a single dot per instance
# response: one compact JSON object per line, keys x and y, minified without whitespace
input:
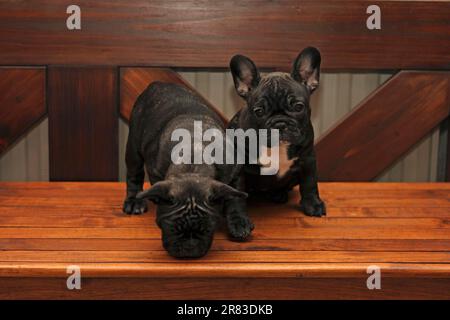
{"x":402,"y":228}
{"x":133,"y":81}
{"x":384,"y":126}
{"x":413,"y":34}
{"x":22,"y":102}
{"x":220,"y":288}
{"x":83,"y":126}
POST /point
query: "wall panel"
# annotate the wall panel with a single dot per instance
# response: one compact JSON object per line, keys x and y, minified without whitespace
{"x":27,"y":160}
{"x":337,"y":95}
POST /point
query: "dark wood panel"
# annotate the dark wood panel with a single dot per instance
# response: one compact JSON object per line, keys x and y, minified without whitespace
{"x":207,"y":33}
{"x":182,"y":289}
{"x":447,"y":166}
{"x":447,"y":150}
{"x":384,"y":126}
{"x":22,"y":102}
{"x":134,"y":80}
{"x":83,"y":123}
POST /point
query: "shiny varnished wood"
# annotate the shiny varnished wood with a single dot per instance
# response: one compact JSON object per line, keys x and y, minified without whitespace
{"x":22,"y":102}
{"x":207,"y":33}
{"x":402,"y":228}
{"x":384,"y":126}
{"x":224,"y":288}
{"x":83,"y":126}
{"x":133,"y":81}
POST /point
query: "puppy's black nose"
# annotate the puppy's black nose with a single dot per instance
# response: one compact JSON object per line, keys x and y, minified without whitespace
{"x":191,"y":244}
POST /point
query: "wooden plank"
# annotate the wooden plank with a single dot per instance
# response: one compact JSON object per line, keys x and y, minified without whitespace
{"x":54,"y":217}
{"x":22,"y":103}
{"x":133,"y":81}
{"x":377,"y":205}
{"x":223,"y":270}
{"x":261,"y":232}
{"x":371,"y":257}
{"x":102,"y":200}
{"x":266,"y":289}
{"x":75,"y":188}
{"x":435,"y":203}
{"x":446,"y":149}
{"x":83,"y":126}
{"x":206,"y":34}
{"x":384,"y":126}
{"x":389,"y":245}
{"x":13,"y":215}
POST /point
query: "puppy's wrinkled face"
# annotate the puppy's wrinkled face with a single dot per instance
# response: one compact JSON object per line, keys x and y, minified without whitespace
{"x":189,"y":208}
{"x":279,"y":100}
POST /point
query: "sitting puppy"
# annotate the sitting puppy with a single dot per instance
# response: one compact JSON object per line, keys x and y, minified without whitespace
{"x":190,"y":197}
{"x":281,"y":101}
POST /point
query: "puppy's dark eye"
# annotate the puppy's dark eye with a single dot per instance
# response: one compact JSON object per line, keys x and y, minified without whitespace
{"x":298,"y":106}
{"x":259,"y":111}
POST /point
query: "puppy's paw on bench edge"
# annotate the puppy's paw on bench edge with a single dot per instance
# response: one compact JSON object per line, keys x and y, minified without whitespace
{"x":313,"y":207}
{"x":239,"y":227}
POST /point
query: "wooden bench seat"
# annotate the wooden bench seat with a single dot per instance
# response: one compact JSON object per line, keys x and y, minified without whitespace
{"x":402,"y":228}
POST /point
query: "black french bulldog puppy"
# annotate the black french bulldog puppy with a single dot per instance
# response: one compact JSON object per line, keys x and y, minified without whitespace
{"x":190,"y":198}
{"x":281,"y":101}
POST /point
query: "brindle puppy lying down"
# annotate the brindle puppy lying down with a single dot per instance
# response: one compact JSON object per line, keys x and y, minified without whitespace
{"x":190,"y":198}
{"x":281,"y":101}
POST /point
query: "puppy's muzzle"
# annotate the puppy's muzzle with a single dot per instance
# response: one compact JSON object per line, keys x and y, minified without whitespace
{"x":189,"y":248}
{"x":288,"y":127}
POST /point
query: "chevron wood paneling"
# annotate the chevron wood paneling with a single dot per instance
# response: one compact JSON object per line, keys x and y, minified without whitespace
{"x":384,"y":126}
{"x":133,"y":82}
{"x":22,"y":102}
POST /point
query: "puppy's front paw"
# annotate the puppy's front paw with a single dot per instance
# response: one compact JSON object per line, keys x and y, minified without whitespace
{"x":134,"y":206}
{"x":313,"y":206}
{"x":239,"y":227}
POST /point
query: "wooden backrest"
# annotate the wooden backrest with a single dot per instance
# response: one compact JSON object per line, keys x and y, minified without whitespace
{"x":413,"y":35}
{"x":194,"y":34}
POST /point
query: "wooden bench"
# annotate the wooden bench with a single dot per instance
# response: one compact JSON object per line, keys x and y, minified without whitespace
{"x":404,"y":229}
{"x":83,"y":80}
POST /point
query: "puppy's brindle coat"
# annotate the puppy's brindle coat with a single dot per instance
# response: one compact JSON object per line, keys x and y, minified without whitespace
{"x":190,"y":197}
{"x":281,"y":101}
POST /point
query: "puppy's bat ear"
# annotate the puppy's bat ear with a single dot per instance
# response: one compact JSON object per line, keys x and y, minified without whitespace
{"x":245,"y":74}
{"x":156,"y":193}
{"x":306,"y":69}
{"x":223,"y":191}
